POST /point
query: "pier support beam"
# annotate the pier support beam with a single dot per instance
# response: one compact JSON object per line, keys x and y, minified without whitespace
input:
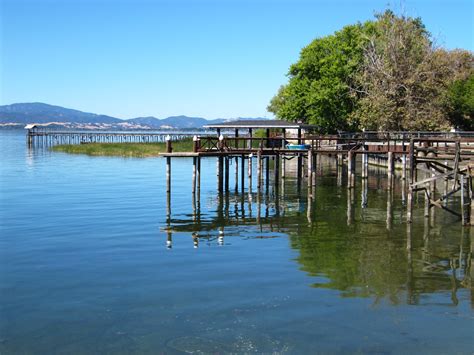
{"x":276,"y":170}
{"x":220,"y":175}
{"x":226,"y":174}
{"x":194,"y":175}
{"x":250,"y":172}
{"x":259,"y":170}
{"x":242,"y":173}
{"x":168,"y":174}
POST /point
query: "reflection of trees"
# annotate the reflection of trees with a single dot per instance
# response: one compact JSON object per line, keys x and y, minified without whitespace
{"x":363,"y":258}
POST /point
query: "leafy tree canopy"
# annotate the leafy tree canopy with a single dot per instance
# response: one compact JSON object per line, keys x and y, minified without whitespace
{"x":384,"y":74}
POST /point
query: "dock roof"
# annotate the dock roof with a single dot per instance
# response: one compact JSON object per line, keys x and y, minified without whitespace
{"x":259,"y":124}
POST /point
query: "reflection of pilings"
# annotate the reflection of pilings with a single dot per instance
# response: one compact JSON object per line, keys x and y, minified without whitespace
{"x":283,"y":167}
{"x":259,"y":205}
{"x":364,"y":191}
{"x":389,"y":209}
{"x":350,"y":169}
{"x":309,"y":207}
{"x":242,"y":173}
{"x":259,"y":170}
{"x":410,"y":278}
{"x":404,"y":192}
{"x":410,"y":205}
{"x":365,"y":165}
{"x":220,"y":239}
{"x":194,"y":175}
{"x":350,"y":206}
{"x":339,"y":175}
{"x":404,"y":166}
{"x":250,"y":175}
{"x":390,"y":170}
{"x":310,"y":168}
{"x":226,"y":173}
{"x":299,"y":172}
{"x":236,"y":174}
{"x":276,"y":169}
{"x":168,"y":174}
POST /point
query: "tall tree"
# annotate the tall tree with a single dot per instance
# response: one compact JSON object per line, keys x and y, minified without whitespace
{"x":402,"y":79}
{"x":318,"y":91}
{"x":381,"y":75}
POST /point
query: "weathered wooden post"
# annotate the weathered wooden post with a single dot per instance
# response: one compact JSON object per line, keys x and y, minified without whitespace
{"x":169,"y":148}
{"x":365,"y":163}
{"x":412,"y":178}
{"x":196,"y":143}
{"x":276,"y":169}
{"x":236,"y":173}
{"x":259,"y":170}
{"x":226,"y":173}
{"x":471,"y":197}
{"x":242,"y":173}
{"x":168,"y":164}
{"x":194,"y":175}
{"x":250,"y":172}
{"x":463,"y":202}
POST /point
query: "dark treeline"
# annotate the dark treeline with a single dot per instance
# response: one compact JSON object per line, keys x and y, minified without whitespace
{"x":385,"y":74}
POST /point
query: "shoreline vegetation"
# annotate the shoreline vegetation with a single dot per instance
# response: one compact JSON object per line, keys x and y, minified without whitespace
{"x":132,"y":150}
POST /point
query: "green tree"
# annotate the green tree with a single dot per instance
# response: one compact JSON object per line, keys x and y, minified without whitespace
{"x":381,"y":75}
{"x":460,"y":103}
{"x":318,"y":91}
{"x":403,"y":78}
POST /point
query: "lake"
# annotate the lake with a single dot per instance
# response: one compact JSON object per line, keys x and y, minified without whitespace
{"x":93,"y":261}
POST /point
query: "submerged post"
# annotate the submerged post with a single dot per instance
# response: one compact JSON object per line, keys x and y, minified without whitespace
{"x":350,"y":169}
{"x":194,"y":175}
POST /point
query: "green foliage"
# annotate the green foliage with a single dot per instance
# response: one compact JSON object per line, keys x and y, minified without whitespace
{"x":460,"y":101}
{"x":318,"y":91}
{"x":381,"y":75}
{"x":140,"y":150}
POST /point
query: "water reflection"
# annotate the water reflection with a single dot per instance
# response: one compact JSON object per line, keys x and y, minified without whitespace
{"x":356,"y":240}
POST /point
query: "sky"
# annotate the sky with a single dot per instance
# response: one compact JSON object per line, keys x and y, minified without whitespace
{"x":204,"y":58}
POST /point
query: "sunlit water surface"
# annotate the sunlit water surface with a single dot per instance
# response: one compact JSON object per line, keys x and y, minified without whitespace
{"x":93,"y":261}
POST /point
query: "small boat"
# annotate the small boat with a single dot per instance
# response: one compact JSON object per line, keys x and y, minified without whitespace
{"x":298,"y":146}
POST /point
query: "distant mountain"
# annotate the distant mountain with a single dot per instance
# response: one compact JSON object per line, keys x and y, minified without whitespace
{"x":43,"y":113}
{"x":40,"y":113}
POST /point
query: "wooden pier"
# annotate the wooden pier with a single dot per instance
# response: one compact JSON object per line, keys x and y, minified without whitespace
{"x":449,"y":160}
{"x":437,"y":165}
{"x":38,"y":136}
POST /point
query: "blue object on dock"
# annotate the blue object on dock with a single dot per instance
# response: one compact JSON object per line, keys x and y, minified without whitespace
{"x":298,"y":146}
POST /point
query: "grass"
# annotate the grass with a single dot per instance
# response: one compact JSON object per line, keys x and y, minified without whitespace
{"x":140,"y":150}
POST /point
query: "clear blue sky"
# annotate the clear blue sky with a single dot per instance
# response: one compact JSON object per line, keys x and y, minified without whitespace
{"x":211,"y":59}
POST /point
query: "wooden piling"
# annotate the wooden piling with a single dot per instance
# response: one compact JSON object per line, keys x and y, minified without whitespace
{"x":236,"y":172}
{"x":276,"y":170}
{"x":226,"y":173}
{"x":250,"y":173}
{"x":194,"y":175}
{"x":220,"y":175}
{"x":463,"y":202}
{"x":242,"y":173}
{"x":259,"y":170}
{"x":168,"y":174}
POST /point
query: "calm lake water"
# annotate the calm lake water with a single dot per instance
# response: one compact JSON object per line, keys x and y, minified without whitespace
{"x":85,"y":266}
